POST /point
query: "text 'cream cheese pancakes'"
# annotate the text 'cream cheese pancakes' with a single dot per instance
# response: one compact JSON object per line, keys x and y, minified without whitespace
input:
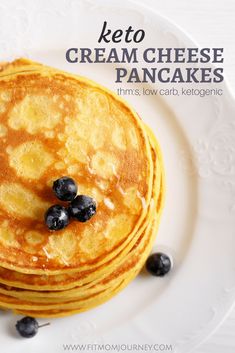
{"x":54,"y":124}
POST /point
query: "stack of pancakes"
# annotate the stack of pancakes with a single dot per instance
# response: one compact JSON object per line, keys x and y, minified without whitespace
{"x":55,"y":124}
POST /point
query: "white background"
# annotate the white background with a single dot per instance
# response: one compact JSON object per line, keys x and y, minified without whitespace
{"x":211,"y":23}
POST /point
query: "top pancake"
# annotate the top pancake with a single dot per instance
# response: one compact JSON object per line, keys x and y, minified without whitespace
{"x":54,"y":124}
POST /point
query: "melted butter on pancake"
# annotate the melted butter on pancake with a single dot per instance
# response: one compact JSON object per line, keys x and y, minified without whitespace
{"x":108,"y":203}
{"x":91,"y":191}
{"x":104,"y":164}
{"x":21,"y":202}
{"x":34,"y":113}
{"x":62,"y":247}
{"x":30,"y":159}
{"x":34,"y":241}
{"x":117,"y":228}
{"x":87,"y":245}
{"x":34,"y":238}
{"x":132,"y":200}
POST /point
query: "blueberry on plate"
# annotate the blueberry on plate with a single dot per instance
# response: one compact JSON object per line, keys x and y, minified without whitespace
{"x":82,"y":208}
{"x":65,"y":188}
{"x":158,"y":264}
{"x":27,"y":327}
{"x":56,"y":217}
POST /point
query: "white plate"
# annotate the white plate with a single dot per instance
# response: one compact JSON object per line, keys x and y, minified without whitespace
{"x":197,"y":137}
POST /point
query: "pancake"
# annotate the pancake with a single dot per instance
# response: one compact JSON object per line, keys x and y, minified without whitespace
{"x":78,"y":291}
{"x":121,"y":174}
{"x":16,"y":279}
{"x":133,"y":265}
{"x":54,"y":124}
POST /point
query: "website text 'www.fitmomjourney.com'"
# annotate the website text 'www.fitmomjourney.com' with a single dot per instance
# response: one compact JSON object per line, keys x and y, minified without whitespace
{"x":95,"y":347}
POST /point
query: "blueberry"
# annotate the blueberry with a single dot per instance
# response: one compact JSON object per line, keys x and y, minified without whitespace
{"x":82,"y":208}
{"x":158,"y":264}
{"x":56,"y":217}
{"x":65,"y":188}
{"x":27,"y":327}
